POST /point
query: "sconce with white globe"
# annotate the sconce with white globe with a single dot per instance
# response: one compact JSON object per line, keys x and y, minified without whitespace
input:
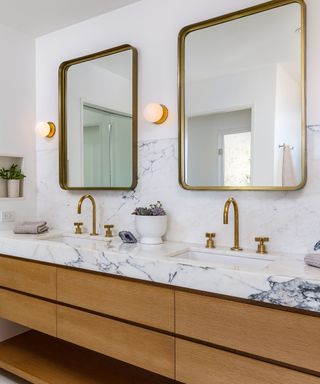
{"x":155,"y":113}
{"x":45,"y":129}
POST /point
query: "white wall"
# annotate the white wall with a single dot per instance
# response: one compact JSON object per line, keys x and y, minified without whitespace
{"x":17,"y":117}
{"x":17,"y":120}
{"x":240,"y":91}
{"x":291,"y":219}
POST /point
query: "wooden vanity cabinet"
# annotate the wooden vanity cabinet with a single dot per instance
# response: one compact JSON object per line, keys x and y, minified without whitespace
{"x":200,"y":364}
{"x":177,"y":334}
{"x":27,"y":276}
{"x":128,"y":320}
{"x":138,"y":302}
{"x":25,"y":287}
{"x":141,"y":347}
{"x":292,"y":338}
{"x":28,"y":311}
{"x":120,"y":315}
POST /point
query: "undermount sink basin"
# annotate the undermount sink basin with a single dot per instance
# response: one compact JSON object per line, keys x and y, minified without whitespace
{"x":236,"y":261}
{"x":81,"y":241}
{"x":202,"y":257}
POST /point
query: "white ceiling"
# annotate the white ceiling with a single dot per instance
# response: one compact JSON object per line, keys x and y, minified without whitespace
{"x":38,"y":17}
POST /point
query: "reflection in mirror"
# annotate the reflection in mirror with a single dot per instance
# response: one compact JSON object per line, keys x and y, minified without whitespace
{"x":99,"y":126}
{"x":242,"y":100}
{"x":107,"y":147}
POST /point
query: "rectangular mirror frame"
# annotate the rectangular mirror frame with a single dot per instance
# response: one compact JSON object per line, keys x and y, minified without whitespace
{"x":181,"y":91}
{"x":63,"y":69}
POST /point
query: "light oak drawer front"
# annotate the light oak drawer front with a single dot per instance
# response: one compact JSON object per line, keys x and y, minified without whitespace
{"x":141,"y":347}
{"x":129,"y":300}
{"x":27,"y":276}
{"x":28,"y":311}
{"x":198,"y":364}
{"x":279,"y":335}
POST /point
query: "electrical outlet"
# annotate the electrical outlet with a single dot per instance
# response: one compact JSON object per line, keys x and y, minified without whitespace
{"x":7,"y":216}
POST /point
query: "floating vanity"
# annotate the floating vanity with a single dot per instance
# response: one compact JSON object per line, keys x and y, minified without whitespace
{"x":169,"y":311}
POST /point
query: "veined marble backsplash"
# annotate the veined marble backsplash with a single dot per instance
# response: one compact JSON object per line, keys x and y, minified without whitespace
{"x":291,"y":219}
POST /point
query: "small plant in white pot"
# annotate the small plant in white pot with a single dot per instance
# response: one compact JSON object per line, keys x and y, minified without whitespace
{"x":13,"y":175}
{"x":151,"y":223}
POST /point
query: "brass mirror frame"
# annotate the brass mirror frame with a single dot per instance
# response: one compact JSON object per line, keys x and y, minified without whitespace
{"x":181,"y":91}
{"x":63,"y":70}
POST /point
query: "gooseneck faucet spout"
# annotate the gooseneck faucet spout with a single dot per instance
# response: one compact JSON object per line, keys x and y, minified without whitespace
{"x":94,"y":212}
{"x":232,"y":201}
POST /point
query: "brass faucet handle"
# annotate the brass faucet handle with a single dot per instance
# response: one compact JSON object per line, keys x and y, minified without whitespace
{"x":210,"y":242}
{"x":262,"y":239}
{"x":262,"y":248}
{"x":108,"y":228}
{"x":78,"y":228}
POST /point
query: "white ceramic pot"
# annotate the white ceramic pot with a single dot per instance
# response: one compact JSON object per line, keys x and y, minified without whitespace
{"x":151,"y":228}
{"x":13,"y":188}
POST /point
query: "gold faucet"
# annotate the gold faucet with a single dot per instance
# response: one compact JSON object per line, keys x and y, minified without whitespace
{"x":236,"y":246}
{"x":94,"y":212}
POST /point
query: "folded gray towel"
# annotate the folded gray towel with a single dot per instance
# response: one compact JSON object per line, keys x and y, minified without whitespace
{"x":312,"y":259}
{"x":31,"y":227}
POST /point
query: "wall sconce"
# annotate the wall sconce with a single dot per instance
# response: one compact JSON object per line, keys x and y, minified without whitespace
{"x":45,"y":129}
{"x":155,"y":113}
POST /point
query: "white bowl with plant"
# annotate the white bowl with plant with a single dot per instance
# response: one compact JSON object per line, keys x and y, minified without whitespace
{"x":13,"y":176}
{"x":151,"y":223}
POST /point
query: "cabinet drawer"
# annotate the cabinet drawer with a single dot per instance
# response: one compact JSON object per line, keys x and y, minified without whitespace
{"x":198,"y":364}
{"x":27,"y":276}
{"x":129,"y":300}
{"x":284,"y":336}
{"x":28,"y":311}
{"x":137,"y":346}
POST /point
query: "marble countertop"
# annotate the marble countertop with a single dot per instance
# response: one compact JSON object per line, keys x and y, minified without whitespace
{"x":283,"y":280}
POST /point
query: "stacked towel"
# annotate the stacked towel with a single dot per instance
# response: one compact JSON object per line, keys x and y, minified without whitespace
{"x":31,"y":227}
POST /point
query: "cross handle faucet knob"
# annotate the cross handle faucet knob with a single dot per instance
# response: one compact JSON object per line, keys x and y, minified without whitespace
{"x":262,"y":248}
{"x":210,"y":242}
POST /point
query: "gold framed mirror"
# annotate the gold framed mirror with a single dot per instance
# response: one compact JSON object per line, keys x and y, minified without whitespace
{"x":98,"y":120}
{"x":242,"y":100}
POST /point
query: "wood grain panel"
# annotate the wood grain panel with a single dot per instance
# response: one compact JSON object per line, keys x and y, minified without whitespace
{"x":141,"y":347}
{"x":27,"y":276}
{"x":130,"y":300}
{"x":42,"y":359}
{"x":28,"y":311}
{"x":279,"y":335}
{"x":199,"y":364}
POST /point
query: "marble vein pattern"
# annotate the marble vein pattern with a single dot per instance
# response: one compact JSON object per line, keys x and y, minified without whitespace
{"x":286,"y":282}
{"x":296,"y":293}
{"x":290,"y":219}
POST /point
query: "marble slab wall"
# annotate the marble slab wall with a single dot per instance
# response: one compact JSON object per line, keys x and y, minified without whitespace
{"x":291,"y":219}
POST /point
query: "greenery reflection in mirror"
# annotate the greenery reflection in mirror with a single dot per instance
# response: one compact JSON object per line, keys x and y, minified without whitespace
{"x":242,"y":100}
{"x":98,"y":120}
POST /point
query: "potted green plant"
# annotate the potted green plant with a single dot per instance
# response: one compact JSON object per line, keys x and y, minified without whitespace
{"x":13,"y":175}
{"x":151,"y":223}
